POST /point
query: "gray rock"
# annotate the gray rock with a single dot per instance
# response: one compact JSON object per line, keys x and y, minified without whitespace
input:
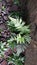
{"x":31,"y":54}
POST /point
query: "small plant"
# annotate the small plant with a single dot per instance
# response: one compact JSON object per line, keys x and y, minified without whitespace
{"x":20,"y":29}
{"x":19,"y":39}
{"x":16,"y":25}
{"x":19,"y":33}
{"x":13,"y":49}
{"x":2,"y":48}
{"x":17,"y":43}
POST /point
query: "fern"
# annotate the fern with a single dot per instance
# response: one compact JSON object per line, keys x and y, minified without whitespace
{"x":19,"y":27}
{"x":16,"y":25}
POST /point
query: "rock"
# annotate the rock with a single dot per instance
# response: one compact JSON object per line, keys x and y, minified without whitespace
{"x":4,"y":62}
{"x":31,"y":54}
{"x":8,"y":53}
{"x":10,"y":64}
{"x":2,"y":26}
{"x":9,"y":1}
{"x":14,"y":8}
{"x":32,"y":8}
{"x":0,"y":7}
{"x":1,"y":59}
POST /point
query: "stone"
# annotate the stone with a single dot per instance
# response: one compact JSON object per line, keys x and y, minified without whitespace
{"x":31,"y":54}
{"x":4,"y":62}
{"x":32,"y":9}
{"x":7,"y":53}
{"x":0,"y":7}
